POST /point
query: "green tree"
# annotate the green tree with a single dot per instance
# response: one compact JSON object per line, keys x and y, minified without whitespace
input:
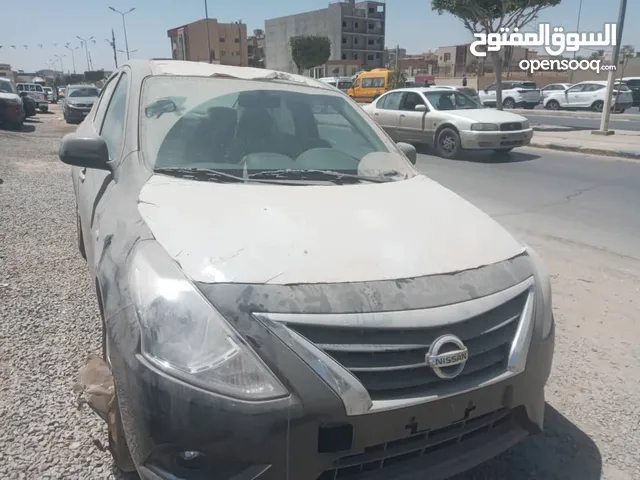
{"x":489,"y":16}
{"x":309,"y":51}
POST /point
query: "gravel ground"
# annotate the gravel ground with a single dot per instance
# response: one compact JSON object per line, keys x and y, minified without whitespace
{"x":49,"y":323}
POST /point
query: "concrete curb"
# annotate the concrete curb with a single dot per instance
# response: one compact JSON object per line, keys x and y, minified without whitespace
{"x":578,"y":114}
{"x":589,"y":151}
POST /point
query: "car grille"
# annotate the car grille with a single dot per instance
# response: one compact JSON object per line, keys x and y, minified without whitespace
{"x":391,"y":364}
{"x":435,"y":443}
{"x":82,"y":105}
{"x":509,"y":127}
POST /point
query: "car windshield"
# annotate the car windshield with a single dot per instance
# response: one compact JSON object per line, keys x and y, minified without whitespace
{"x":468,"y":91}
{"x":248,"y":127}
{"x":451,"y":100}
{"x":7,"y":87}
{"x":48,"y":90}
{"x":83,"y":92}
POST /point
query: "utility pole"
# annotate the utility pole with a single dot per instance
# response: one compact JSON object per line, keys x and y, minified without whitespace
{"x":206,"y":19}
{"x":112,"y":43}
{"x":606,"y":112}
{"x":73,"y":58}
{"x":577,"y":31}
{"x":60,"y":57}
{"x":124,"y":27}
{"x":86,"y":50}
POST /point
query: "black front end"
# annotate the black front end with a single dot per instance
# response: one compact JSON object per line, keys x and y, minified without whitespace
{"x":420,"y":425}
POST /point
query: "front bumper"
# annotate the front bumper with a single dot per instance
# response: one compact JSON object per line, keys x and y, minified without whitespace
{"x":617,"y":106}
{"x":312,"y":438}
{"x":10,"y":112}
{"x":477,"y":140}
{"x":74,"y":113}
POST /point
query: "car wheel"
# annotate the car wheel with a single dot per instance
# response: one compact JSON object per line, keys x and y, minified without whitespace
{"x":597,"y":106}
{"x":552,"y":105}
{"x":80,"y":236}
{"x":509,"y":103}
{"x":448,"y":143}
{"x":117,"y":441}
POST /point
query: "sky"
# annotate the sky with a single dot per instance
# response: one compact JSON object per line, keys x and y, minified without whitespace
{"x":410,"y":23}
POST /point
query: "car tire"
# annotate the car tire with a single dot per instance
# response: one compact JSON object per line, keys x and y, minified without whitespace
{"x":80,"y":236}
{"x":552,"y":105}
{"x":448,"y":143}
{"x":509,"y":103}
{"x":117,"y":441}
{"x":597,"y":106}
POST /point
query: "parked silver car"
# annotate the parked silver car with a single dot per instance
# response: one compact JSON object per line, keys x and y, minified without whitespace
{"x":78,"y":101}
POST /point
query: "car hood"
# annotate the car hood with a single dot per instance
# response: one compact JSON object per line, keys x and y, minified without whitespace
{"x":486,"y":115}
{"x":276,"y":234}
{"x":9,"y":96}
{"x":81,"y":99}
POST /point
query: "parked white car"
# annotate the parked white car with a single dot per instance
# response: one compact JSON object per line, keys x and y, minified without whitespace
{"x":447,"y":120}
{"x":36,"y":92}
{"x":589,"y":96}
{"x":553,"y":88}
{"x":515,"y":94}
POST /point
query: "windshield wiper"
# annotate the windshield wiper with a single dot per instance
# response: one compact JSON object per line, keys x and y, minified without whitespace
{"x":200,"y":174}
{"x":318,"y":175}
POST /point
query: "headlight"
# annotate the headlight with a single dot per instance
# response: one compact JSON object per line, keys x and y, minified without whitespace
{"x":182,"y":334}
{"x":485,"y":127}
{"x":525,"y":125}
{"x":14,"y":101}
{"x":543,"y":285}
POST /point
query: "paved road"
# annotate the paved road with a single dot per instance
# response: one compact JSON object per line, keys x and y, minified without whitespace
{"x":582,"y":122}
{"x":580,"y":213}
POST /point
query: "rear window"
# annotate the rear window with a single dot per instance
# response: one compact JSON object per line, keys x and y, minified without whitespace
{"x":528,"y":85}
{"x":633,"y":83}
{"x":84,"y":92}
{"x":622,"y":87}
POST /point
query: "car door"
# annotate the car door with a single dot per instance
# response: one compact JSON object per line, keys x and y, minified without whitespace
{"x":410,"y":121}
{"x":574,"y":97}
{"x":489,"y":95}
{"x":386,"y":113}
{"x":634,"y":85}
{"x":83,"y":178}
{"x":592,"y":93}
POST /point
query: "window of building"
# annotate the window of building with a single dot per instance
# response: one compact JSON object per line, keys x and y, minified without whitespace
{"x":223,"y":53}
{"x":369,"y":57}
{"x":447,"y":57}
{"x":372,"y":10}
{"x":355,"y":56}
{"x":370,"y":42}
{"x":371,"y":26}
{"x":344,"y":39}
{"x":237,"y":40}
{"x":221,"y":39}
{"x":355,"y":24}
{"x":377,"y":55}
{"x":355,"y":41}
{"x":380,"y":40}
{"x":344,"y":24}
{"x":344,"y":56}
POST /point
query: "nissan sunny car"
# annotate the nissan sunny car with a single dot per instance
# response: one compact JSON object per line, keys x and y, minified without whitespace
{"x":284,"y":295}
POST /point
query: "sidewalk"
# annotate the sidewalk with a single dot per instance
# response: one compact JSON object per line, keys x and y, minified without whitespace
{"x":624,"y":143}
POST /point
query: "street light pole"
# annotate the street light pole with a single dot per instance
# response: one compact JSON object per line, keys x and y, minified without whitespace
{"x":206,"y":17}
{"x":86,"y":50}
{"x":124,"y":27}
{"x":60,"y":57}
{"x":112,"y":43}
{"x":606,"y":112}
{"x":577,"y":31}
{"x":73,"y":58}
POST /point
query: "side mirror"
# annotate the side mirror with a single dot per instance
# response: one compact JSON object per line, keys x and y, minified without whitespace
{"x":409,"y":151}
{"x":420,"y":108}
{"x":84,"y":151}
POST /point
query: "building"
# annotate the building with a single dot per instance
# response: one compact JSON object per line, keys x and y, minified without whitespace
{"x":5,"y":71}
{"x":455,"y":60}
{"x":228,"y":42}
{"x":389,"y":56}
{"x":355,"y":29}
{"x":412,"y":65}
{"x":256,"y":49}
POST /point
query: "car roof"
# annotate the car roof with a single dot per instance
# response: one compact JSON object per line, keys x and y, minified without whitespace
{"x":422,"y":89}
{"x":202,"y":69}
{"x":81,"y":85}
{"x":5,"y":78}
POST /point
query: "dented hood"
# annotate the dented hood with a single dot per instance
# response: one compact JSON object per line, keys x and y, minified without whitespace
{"x":276,"y":234}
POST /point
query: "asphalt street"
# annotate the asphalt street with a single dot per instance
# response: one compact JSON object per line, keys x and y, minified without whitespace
{"x":579,"y":212}
{"x":630,"y":120}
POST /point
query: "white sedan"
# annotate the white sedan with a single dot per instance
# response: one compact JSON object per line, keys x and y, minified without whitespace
{"x":589,"y":96}
{"x":447,"y":120}
{"x":554,"y":88}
